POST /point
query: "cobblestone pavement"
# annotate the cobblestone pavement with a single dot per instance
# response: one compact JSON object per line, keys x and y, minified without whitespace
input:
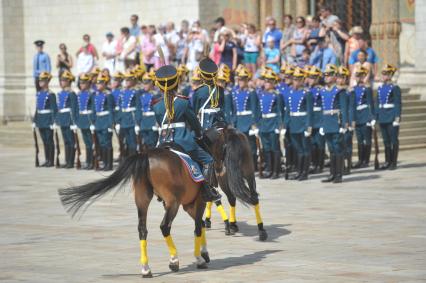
{"x":370,"y":228}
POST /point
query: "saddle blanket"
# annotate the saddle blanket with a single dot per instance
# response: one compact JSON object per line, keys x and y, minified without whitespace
{"x":192,"y":166}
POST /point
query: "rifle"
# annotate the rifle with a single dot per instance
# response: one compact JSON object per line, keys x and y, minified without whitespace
{"x":120,"y":144}
{"x":138,"y":136}
{"x":37,"y":161}
{"x":260,"y":162}
{"x":95,"y":150}
{"x":58,"y":149}
{"x":376,"y":149}
{"x":77,"y":147}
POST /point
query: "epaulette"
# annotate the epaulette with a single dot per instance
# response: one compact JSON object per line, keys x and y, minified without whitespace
{"x":182,"y":96}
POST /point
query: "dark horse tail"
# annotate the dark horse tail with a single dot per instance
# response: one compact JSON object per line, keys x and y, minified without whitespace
{"x":76,"y":198}
{"x":239,"y":168}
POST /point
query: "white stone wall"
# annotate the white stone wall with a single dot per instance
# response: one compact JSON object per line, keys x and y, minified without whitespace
{"x":66,"y":21}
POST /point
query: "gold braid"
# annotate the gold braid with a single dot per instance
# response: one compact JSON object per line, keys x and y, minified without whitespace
{"x":214,"y":101}
{"x":168,"y":99}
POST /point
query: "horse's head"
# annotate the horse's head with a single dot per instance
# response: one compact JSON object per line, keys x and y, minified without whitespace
{"x":216,"y":141}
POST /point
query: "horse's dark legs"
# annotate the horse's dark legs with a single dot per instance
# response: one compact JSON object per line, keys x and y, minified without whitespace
{"x":208,"y":222}
{"x":252,"y":186}
{"x":232,"y":216}
{"x":166,"y":225}
{"x":224,"y":186}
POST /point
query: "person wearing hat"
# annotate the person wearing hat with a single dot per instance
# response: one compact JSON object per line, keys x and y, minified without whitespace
{"x":268,"y":121}
{"x":244,"y":109}
{"x":318,"y":141}
{"x":388,"y":115}
{"x":103,"y":107}
{"x":126,"y":123}
{"x":323,"y":54}
{"x":334,"y":122}
{"x":67,"y":116}
{"x":209,"y":99}
{"x":224,"y":81}
{"x":41,"y":63}
{"x":94,"y":73}
{"x":298,"y":117}
{"x":196,"y":83}
{"x":184,"y":85}
{"x":44,"y":118}
{"x":342,"y":81}
{"x":178,"y":123}
{"x":85,"y":117}
{"x":116,"y":90}
{"x":363,"y":108}
{"x":109,"y":52}
{"x":146,"y":116}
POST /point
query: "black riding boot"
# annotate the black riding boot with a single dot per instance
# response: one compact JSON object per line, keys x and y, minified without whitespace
{"x":348,"y":165}
{"x":51,"y":155}
{"x":89,"y":159}
{"x":331,"y":177}
{"x":71,"y":157}
{"x":276,"y":165}
{"x":367,"y":154}
{"x":267,"y":173}
{"x":102,"y":152}
{"x":108,"y":159}
{"x":256,"y":167}
{"x":300,"y":164}
{"x":360,"y":156}
{"x":339,"y":160}
{"x":305,"y":169}
{"x":321,"y":157}
{"x":208,"y":192}
{"x":394,"y":157}
{"x":315,"y":160}
{"x":387,"y":158}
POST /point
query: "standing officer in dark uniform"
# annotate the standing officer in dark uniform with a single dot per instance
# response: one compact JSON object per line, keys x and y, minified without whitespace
{"x":196,"y":83}
{"x":388,"y":110}
{"x":66,"y":116}
{"x":318,"y":141}
{"x":103,"y":107}
{"x":269,"y":124}
{"x":116,"y":89}
{"x":342,"y":84}
{"x":334,"y":122}
{"x":244,"y":109}
{"x":209,"y":100}
{"x":129,"y":104}
{"x":223,"y":80}
{"x":86,"y":118}
{"x":146,"y":116}
{"x":44,"y":118}
{"x":363,"y":108}
{"x":179,"y":124}
{"x":184,"y":86}
{"x":299,"y":116}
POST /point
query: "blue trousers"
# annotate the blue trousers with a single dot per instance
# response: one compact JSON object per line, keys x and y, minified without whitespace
{"x":270,"y":141}
{"x":67,"y":136}
{"x":318,"y":140}
{"x":104,"y":138}
{"x":301,"y":144}
{"x":363,"y":134}
{"x":389,"y":134}
{"x":46,"y":135}
{"x":334,"y":143}
{"x":200,"y":156}
{"x":149,"y":137}
{"x":87,"y":138}
{"x":129,"y":136}
{"x":348,"y":143}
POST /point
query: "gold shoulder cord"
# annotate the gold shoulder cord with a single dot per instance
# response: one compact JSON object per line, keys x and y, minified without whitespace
{"x":214,"y":100}
{"x":168,"y":99}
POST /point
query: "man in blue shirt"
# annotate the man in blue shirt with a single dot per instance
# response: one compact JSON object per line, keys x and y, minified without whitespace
{"x":371,"y":54}
{"x":135,"y":29}
{"x":272,"y":31}
{"x":41,"y":63}
{"x":323,"y":55}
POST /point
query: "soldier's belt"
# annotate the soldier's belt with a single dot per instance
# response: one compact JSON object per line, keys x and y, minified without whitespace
{"x":64,"y":110}
{"x":44,"y":111}
{"x":102,"y":113}
{"x":316,"y":109}
{"x":331,"y":112}
{"x":85,"y":112}
{"x":243,"y":113}
{"x":297,"y":114}
{"x":361,"y":106}
{"x":211,"y":110}
{"x":387,"y":105}
{"x":149,"y":113}
{"x":269,"y":115}
{"x":129,"y":109}
{"x":173,"y":125}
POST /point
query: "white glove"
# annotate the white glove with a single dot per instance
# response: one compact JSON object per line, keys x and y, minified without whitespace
{"x":368,"y":124}
{"x":373,"y":123}
{"x":342,"y":130}
{"x":53,"y":126}
{"x":109,"y":130}
{"x":137,"y":129}
{"x":395,"y":124}
{"x":350,"y":129}
{"x":253,"y":132}
{"x":277,"y":131}
{"x":73,"y":128}
{"x":92,"y":128}
{"x":283,"y":131}
{"x":117,"y":128}
{"x":154,"y":128}
{"x":33,"y":125}
{"x":321,"y":131}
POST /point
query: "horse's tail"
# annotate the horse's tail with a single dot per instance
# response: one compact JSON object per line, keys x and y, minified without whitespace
{"x":76,"y":198}
{"x":237,"y":156}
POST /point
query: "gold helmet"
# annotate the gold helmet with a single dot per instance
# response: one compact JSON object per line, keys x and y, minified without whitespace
{"x":102,"y":79}
{"x":270,"y":75}
{"x":313,"y":71}
{"x":330,"y":68}
{"x":289,"y":70}
{"x":45,"y":76}
{"x":182,"y":70}
{"x":361,"y":71}
{"x":95,"y":72}
{"x":223,"y":76}
{"x":298,"y":73}
{"x":67,"y":75}
{"x":130,"y":75}
{"x":196,"y":75}
{"x":343,"y":71}
{"x":244,"y":73}
{"x":388,"y":68}
{"x":84,"y":77}
{"x":118,"y":76}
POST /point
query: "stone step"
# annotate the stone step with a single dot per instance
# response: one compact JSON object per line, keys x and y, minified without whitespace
{"x":418,"y":109}
{"x":415,"y":103}
{"x":414,"y":117}
{"x":410,"y":97}
{"x":405,"y":140}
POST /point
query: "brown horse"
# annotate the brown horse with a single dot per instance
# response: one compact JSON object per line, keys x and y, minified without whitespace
{"x":235,"y":174}
{"x":156,"y":171}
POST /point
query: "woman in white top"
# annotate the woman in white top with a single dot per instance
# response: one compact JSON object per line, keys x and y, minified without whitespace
{"x":128,"y":55}
{"x":194,"y":49}
{"x":252,"y":43}
{"x":108,"y":52}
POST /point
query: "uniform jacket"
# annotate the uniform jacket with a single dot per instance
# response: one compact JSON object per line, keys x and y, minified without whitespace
{"x":86,"y":116}
{"x":129,"y":105}
{"x":244,"y":109}
{"x":363,"y":106}
{"x":67,"y":108}
{"x":334,"y":99}
{"x":146,"y":116}
{"x":201,"y":98}
{"x":299,"y":103}
{"x":46,"y":109}
{"x":103,"y":107}
{"x":269,"y":111}
{"x":388,"y":103}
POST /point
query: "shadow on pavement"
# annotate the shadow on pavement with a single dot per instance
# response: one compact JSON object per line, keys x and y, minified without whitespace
{"x":274,"y":231}
{"x":359,"y":178}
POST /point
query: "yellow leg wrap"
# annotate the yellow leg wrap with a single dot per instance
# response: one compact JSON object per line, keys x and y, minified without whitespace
{"x":203,"y":237}
{"x":232,"y":217}
{"x":209,"y":209}
{"x":257,"y":211}
{"x":144,"y":253}
{"x":171,"y":245}
{"x":222,"y":212}
{"x":197,"y":246}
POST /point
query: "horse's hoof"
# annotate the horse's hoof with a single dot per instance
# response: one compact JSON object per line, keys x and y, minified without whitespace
{"x":206,"y":257}
{"x":148,"y":275}
{"x":263,"y":235}
{"x":202,"y":266}
{"x":208,"y":223}
{"x":201,"y":262}
{"x":174,"y":264}
{"x":234,"y":227}
{"x":146,"y":272}
{"x":228,"y":231}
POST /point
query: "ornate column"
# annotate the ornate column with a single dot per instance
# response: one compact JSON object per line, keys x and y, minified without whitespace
{"x":302,"y":8}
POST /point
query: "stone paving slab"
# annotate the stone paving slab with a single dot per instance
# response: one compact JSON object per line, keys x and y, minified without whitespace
{"x":371,"y":228}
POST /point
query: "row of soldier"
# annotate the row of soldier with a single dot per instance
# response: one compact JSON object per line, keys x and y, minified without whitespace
{"x":294,"y":113}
